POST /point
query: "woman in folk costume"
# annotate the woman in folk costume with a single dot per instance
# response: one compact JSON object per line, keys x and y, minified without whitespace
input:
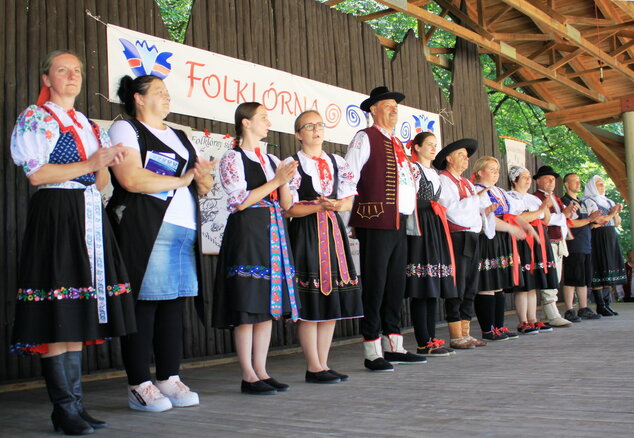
{"x":155,"y":214}
{"x":73,"y":287}
{"x":430,"y":267}
{"x":607,"y":259}
{"x":467,"y":215}
{"x":255,"y":278}
{"x":499,"y":258}
{"x":537,"y":265}
{"x":328,"y":285}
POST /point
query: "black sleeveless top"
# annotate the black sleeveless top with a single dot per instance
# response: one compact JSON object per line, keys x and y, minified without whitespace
{"x":253,"y":172}
{"x":306,"y":190}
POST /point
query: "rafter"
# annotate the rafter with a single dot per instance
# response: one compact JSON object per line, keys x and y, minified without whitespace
{"x":464,"y":18}
{"x":586,"y":113}
{"x":571,"y":34}
{"x":521,"y":96}
{"x":498,"y":48}
{"x":498,"y":15}
{"x":522,"y":36}
{"x":376,"y":15}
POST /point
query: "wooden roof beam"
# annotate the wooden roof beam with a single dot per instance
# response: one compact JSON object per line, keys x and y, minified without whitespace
{"x":588,"y":21}
{"x":333,"y":2}
{"x":501,"y":76}
{"x":500,"y":48}
{"x":464,"y":18}
{"x":375,"y":15}
{"x":387,"y":43}
{"x":571,"y":34}
{"x":498,"y":15}
{"x":586,"y":113}
{"x":626,"y":7}
{"x":522,"y":36}
{"x":521,"y":96}
{"x":529,"y":83}
{"x":628,"y":25}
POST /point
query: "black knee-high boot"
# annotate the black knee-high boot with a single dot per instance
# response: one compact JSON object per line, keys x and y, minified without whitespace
{"x":607,"y":298}
{"x":598,"y":299}
{"x":73,"y":373}
{"x":65,"y":414}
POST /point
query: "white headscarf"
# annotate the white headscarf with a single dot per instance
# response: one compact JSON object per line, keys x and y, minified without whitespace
{"x":591,"y":192}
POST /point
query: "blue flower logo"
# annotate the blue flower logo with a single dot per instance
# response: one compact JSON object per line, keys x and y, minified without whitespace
{"x":144,"y":59}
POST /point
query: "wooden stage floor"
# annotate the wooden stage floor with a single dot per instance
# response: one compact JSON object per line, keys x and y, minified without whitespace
{"x":574,"y":382}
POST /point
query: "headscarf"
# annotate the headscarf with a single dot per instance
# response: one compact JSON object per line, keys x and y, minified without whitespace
{"x":515,"y":172}
{"x":591,"y":192}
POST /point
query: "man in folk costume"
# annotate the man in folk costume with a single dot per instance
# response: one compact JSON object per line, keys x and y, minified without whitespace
{"x":387,"y":196}
{"x":468,"y":214}
{"x":545,"y":178}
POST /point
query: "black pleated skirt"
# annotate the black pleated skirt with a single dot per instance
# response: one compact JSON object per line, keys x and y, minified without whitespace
{"x":607,"y":260}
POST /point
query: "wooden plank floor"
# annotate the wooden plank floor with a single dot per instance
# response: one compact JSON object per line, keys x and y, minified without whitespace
{"x":574,"y":382}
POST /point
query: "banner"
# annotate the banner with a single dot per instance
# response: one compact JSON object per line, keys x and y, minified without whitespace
{"x":210,"y":86}
{"x":515,"y":152}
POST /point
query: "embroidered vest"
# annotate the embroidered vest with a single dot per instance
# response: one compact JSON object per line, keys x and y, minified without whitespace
{"x":376,"y":206}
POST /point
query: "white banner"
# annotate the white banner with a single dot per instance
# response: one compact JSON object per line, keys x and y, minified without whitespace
{"x":515,"y":152}
{"x":210,"y":86}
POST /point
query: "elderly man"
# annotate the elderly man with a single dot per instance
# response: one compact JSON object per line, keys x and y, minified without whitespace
{"x":578,"y":263}
{"x":387,"y":196}
{"x":545,"y":179}
{"x":466,"y":210}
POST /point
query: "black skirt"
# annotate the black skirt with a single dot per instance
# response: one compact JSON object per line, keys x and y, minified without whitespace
{"x":56,"y":298}
{"x":344,"y":300}
{"x":496,"y":262}
{"x":429,"y":271}
{"x":607,"y":260}
{"x":539,"y":278}
{"x":242,"y":291}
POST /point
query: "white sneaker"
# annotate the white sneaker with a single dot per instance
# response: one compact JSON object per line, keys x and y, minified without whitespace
{"x":177,"y":392}
{"x":147,"y":397}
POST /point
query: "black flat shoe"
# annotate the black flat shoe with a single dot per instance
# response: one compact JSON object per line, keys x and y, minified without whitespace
{"x":257,"y":388}
{"x":342,"y":377}
{"x":278,"y":386}
{"x":321,"y":377}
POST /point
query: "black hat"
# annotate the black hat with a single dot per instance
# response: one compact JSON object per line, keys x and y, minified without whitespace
{"x":380,"y":93}
{"x":440,"y":162}
{"x":545,"y":170}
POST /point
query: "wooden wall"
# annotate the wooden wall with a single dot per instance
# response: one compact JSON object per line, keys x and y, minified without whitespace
{"x":303,"y":37}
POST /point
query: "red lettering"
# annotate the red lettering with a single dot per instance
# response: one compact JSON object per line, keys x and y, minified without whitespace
{"x":191,"y":76}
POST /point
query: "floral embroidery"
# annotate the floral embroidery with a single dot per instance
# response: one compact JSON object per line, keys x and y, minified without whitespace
{"x":314,"y":283}
{"x":72,"y":293}
{"x":611,"y":276}
{"x":254,"y":271}
{"x":428,"y":270}
{"x":538,"y":266}
{"x":232,"y":181}
{"x":502,"y":262}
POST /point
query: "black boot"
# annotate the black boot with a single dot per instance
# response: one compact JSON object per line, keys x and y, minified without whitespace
{"x":65,"y":415}
{"x":598,"y":299}
{"x":73,"y":374}
{"x":607,"y":298}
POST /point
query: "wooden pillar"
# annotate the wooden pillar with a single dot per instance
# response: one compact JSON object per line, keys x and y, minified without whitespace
{"x":628,"y":131}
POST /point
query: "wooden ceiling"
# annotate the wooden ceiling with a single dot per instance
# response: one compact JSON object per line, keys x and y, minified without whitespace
{"x":572,"y":58}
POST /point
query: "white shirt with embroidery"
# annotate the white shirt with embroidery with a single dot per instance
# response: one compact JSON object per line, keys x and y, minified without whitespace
{"x":557,"y":218}
{"x":346,"y":186}
{"x":359,"y":153}
{"x":467,"y":212}
{"x":36,"y":133}
{"x":526,"y":202}
{"x":233,"y":179}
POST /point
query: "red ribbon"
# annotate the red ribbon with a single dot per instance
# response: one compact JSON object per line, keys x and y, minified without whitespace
{"x":441,"y":211}
{"x":273,"y":195}
{"x":401,"y":158}
{"x":45,"y":95}
{"x":73,"y":116}
{"x":324,"y":173}
{"x":542,"y":242}
{"x":511,"y":220}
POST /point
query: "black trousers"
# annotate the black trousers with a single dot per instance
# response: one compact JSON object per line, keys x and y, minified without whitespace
{"x":383,"y":256}
{"x":160,"y":329}
{"x":466,"y":251}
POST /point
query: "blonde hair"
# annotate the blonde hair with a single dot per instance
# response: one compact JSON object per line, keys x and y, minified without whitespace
{"x":481,"y":163}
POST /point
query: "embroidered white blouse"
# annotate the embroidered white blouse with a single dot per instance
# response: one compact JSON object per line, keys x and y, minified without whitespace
{"x":346,"y":187}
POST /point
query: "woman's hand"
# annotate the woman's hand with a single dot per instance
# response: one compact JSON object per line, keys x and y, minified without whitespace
{"x":105,"y":157}
{"x":285,"y":171}
{"x":491,"y":208}
{"x":202,"y":174}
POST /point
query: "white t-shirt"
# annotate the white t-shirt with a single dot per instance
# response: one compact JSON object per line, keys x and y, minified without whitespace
{"x":182,"y":209}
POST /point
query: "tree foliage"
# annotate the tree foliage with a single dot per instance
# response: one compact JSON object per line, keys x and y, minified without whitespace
{"x":175,"y":15}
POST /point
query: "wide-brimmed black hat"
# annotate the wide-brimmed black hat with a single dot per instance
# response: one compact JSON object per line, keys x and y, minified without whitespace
{"x":440,"y":162}
{"x":380,"y":93}
{"x":545,"y":170}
